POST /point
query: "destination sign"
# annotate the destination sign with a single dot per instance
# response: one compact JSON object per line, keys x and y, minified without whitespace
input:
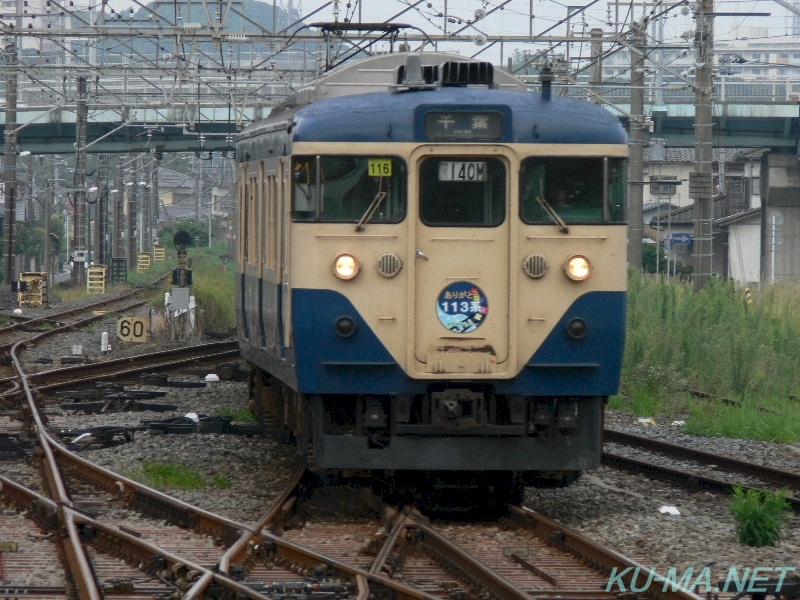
{"x":463,"y":125}
{"x":462,"y":171}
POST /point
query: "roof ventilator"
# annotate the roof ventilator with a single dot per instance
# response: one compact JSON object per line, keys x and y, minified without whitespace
{"x":415,"y":76}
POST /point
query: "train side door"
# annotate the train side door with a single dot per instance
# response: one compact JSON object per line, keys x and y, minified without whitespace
{"x":461,"y":300}
{"x":284,"y":266}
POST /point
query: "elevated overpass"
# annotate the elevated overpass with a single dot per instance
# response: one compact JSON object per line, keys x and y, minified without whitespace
{"x":770,"y":119}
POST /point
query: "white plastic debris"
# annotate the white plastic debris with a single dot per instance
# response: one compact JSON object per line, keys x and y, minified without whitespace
{"x":669,"y":510}
{"x":18,"y":311}
{"x":212,"y":377}
{"x":646,"y":421}
{"x":678,"y":423}
{"x":81,"y":437}
{"x":193,"y":417}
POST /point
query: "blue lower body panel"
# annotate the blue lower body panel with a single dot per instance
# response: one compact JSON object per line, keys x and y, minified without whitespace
{"x":360,"y":364}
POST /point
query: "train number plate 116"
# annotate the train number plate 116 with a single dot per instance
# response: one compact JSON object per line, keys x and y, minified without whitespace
{"x":462,"y":171}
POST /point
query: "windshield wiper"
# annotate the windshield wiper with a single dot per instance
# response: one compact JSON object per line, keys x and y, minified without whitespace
{"x":562,"y":227}
{"x":374,"y":205}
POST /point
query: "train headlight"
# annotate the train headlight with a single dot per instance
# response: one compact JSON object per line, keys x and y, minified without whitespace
{"x":345,"y":266}
{"x":578,"y":268}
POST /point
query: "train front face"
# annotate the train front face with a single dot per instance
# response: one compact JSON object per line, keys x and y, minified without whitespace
{"x":458,"y":295}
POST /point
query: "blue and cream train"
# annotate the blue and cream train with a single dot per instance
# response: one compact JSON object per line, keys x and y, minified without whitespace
{"x":432,"y":272}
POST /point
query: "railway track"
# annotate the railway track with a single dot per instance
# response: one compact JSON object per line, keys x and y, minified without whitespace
{"x":517,"y":557}
{"x":104,"y":535}
{"x":691,"y":476}
{"x":31,"y":331}
{"x":83,"y":523}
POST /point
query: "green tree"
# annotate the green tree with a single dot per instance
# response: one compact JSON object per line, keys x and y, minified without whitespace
{"x":649,"y":261}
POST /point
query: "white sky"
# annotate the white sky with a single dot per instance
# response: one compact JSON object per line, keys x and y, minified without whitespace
{"x":514,"y":17}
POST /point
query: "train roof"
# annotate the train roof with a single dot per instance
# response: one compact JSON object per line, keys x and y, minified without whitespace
{"x":363,"y":103}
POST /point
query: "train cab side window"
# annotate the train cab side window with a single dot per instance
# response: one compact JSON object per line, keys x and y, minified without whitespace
{"x":340,"y":189}
{"x":462,"y":192}
{"x":580,"y":190}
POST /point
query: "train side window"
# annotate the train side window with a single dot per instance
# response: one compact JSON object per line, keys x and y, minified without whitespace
{"x":462,"y":192}
{"x":340,"y":189}
{"x":574,"y":188}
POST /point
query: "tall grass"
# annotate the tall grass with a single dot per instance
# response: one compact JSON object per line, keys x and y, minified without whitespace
{"x":215,"y":292}
{"x":212,"y":288}
{"x":716,"y":341}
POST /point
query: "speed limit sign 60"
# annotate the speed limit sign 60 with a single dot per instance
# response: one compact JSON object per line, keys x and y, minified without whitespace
{"x":132,"y":329}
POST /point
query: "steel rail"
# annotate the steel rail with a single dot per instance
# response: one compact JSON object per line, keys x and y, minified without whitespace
{"x":451,"y":553}
{"x":729,"y":463}
{"x":291,"y":553}
{"x":152,"y":501}
{"x":688,"y":480}
{"x":60,"y":328}
{"x":61,"y":514}
{"x":66,"y":518}
{"x":594,"y":553}
{"x":141,"y":552}
{"x":79,"y":309}
{"x":238,"y":551}
{"x":44,"y":510}
{"x":80,"y":570}
{"x":164,"y":359}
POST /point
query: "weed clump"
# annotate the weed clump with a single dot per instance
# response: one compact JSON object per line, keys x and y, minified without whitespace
{"x":759,"y":516}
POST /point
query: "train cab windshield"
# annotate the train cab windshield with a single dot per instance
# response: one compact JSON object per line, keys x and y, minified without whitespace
{"x":462,"y":192}
{"x":343,"y":189}
{"x":579,"y":190}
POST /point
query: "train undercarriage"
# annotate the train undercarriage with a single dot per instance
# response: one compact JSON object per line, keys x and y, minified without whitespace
{"x":458,"y":440}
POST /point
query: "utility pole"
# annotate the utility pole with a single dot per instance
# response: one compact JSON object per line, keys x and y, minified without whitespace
{"x":155,"y":203}
{"x":197,"y":164}
{"x":117,"y":247}
{"x":10,"y":159}
{"x":637,"y":124}
{"x":701,"y":181}
{"x":146,"y":235}
{"x":102,"y":212}
{"x":48,"y":207}
{"x":79,"y":187}
{"x":133,"y":257}
{"x":596,"y":73}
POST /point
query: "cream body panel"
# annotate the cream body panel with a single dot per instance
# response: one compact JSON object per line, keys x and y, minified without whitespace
{"x":397,"y":309}
{"x":479,"y":255}
{"x":379,"y":300}
{"x":542,"y":302}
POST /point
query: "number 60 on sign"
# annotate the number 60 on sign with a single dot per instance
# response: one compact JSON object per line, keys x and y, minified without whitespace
{"x":132,"y":329}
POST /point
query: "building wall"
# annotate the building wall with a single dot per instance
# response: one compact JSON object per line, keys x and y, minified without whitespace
{"x":743,"y":256}
{"x":782,"y":222}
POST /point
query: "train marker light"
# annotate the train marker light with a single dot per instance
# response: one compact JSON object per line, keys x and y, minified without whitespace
{"x":578,"y":268}
{"x":345,"y":266}
{"x":345,"y":326}
{"x":576,"y":328}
